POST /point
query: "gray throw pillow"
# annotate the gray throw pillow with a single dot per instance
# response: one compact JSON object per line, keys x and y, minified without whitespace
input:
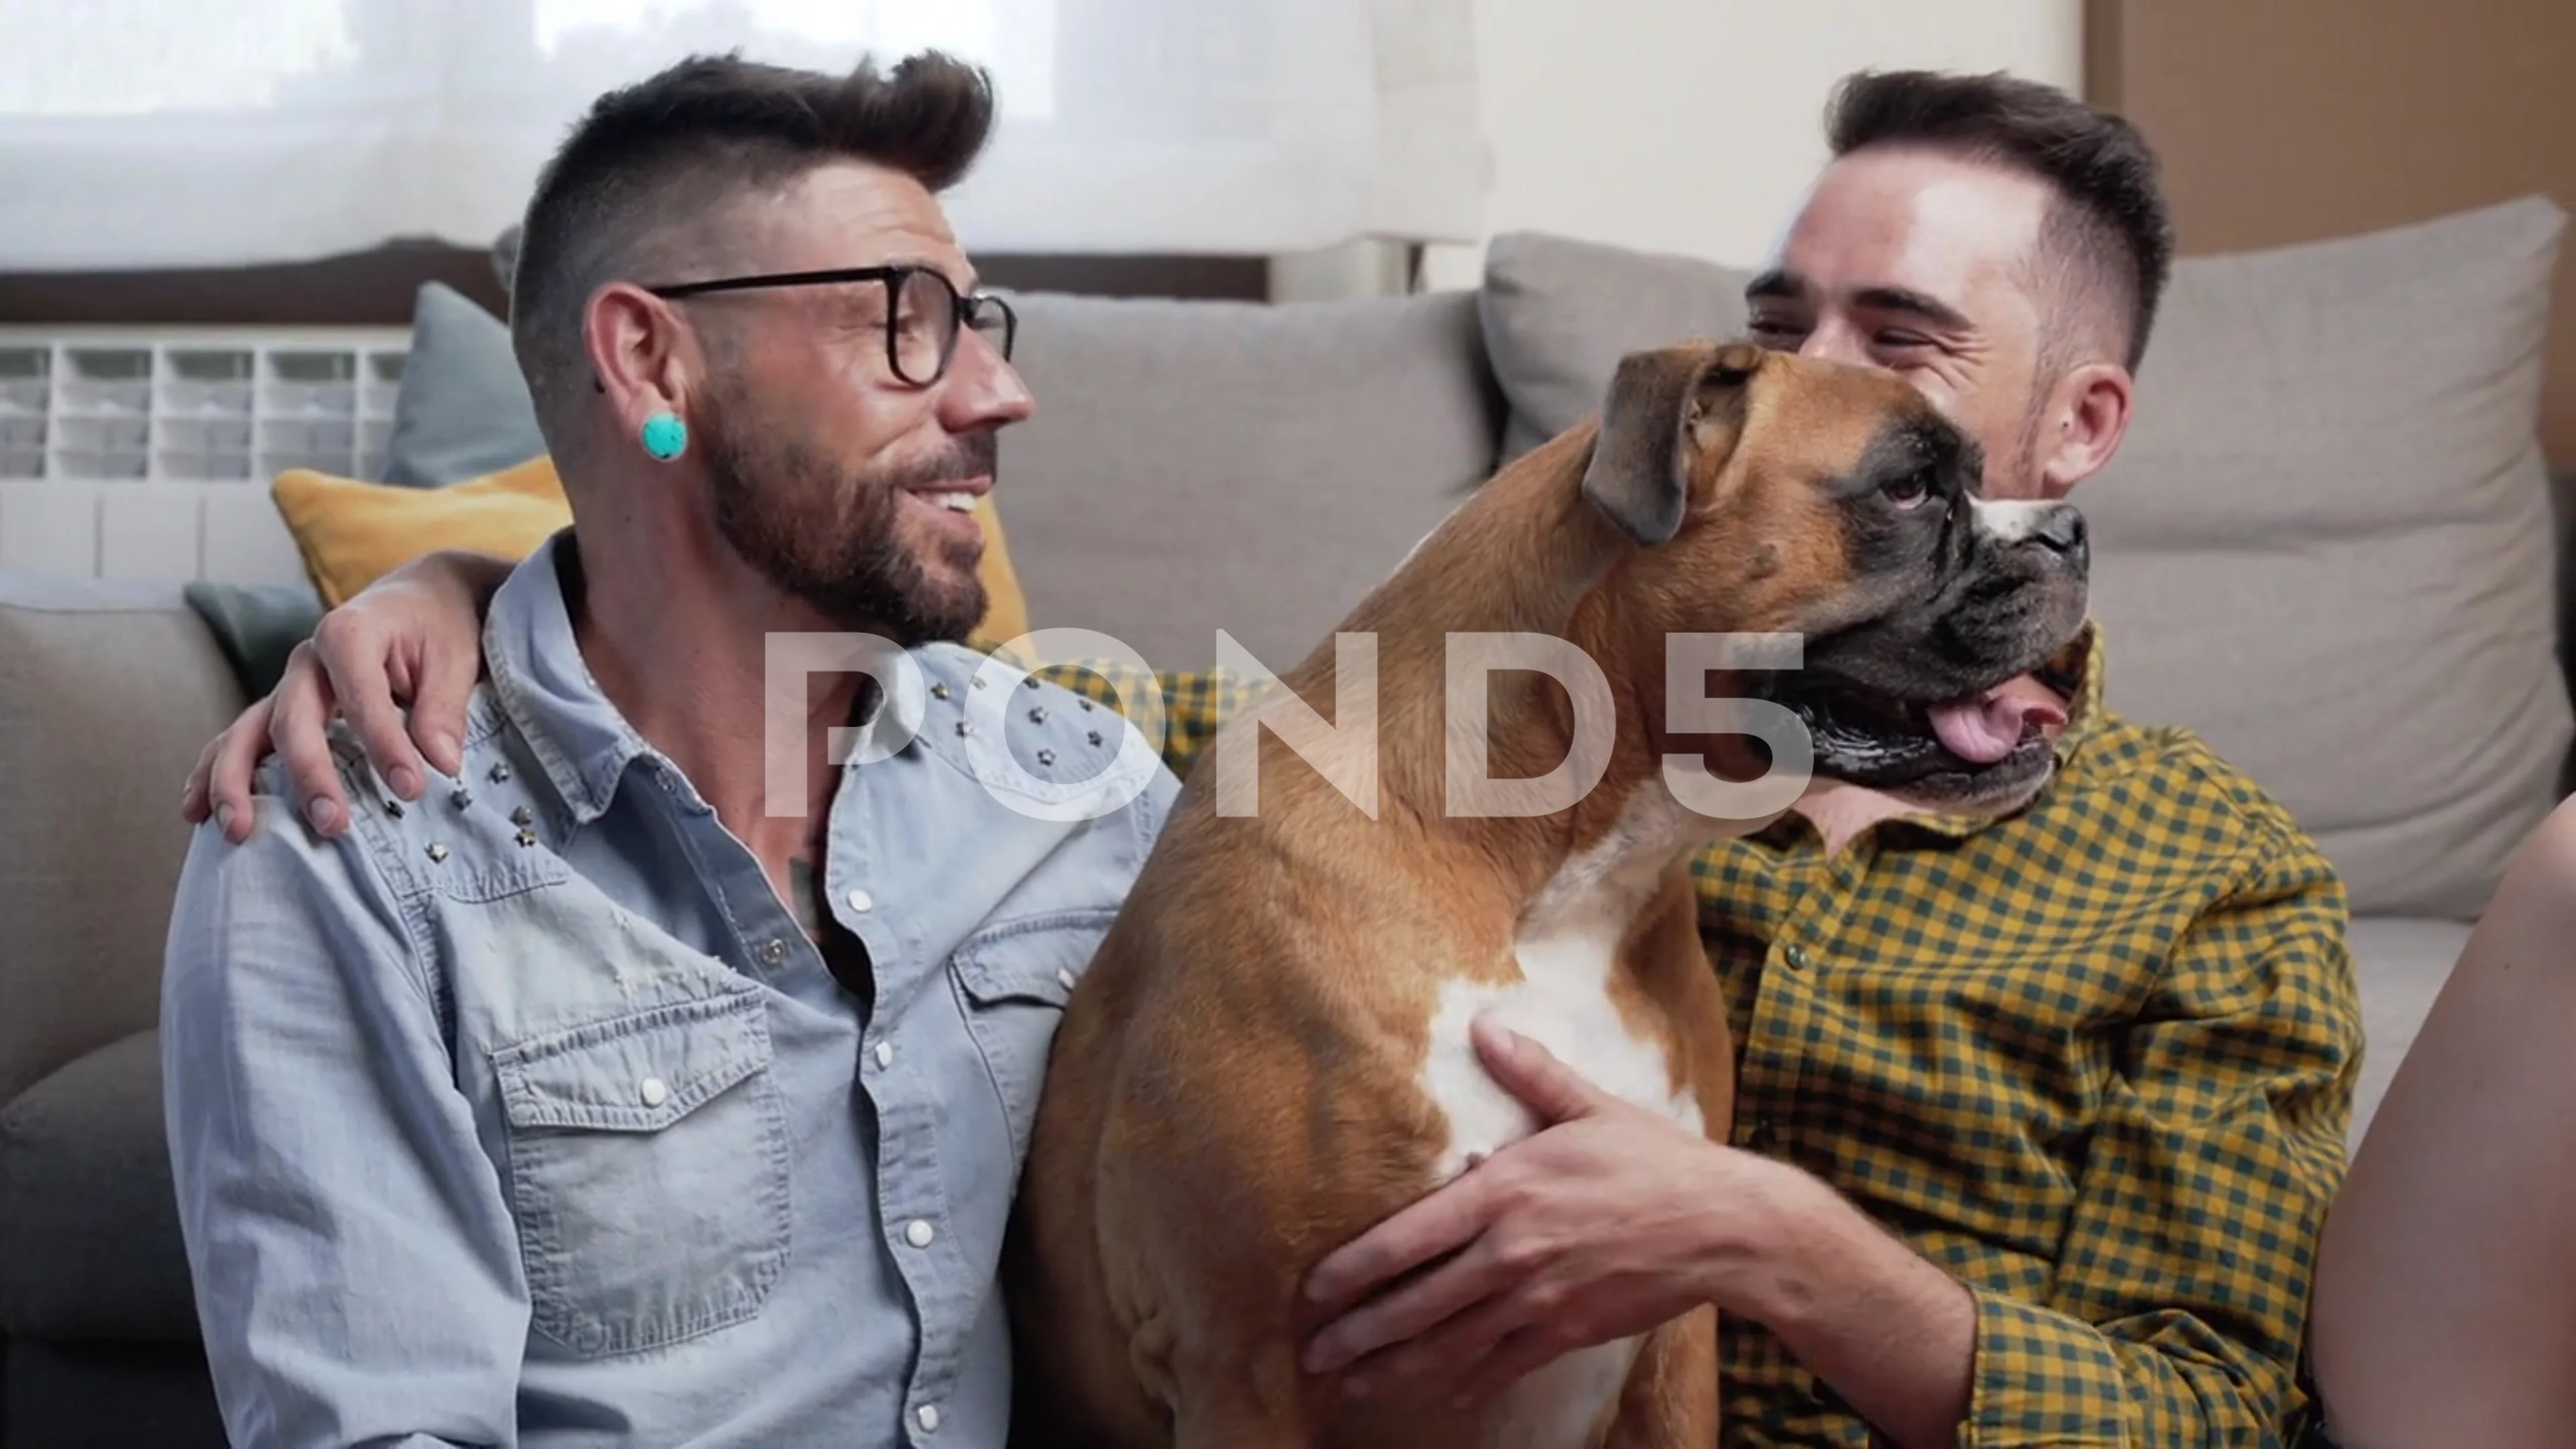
{"x":1196,"y":466}
{"x":1560,"y":313}
{"x":255,"y":625}
{"x":2327,"y":545}
{"x":463,"y":409}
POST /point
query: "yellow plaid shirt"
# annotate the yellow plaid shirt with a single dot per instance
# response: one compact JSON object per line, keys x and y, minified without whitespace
{"x":2095,"y":1059}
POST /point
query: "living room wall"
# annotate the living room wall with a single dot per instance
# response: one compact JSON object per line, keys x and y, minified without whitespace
{"x":2296,"y":120}
{"x":1674,"y":125}
{"x":1693,"y":126}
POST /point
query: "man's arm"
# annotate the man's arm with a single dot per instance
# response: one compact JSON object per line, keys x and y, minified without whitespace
{"x":2176,"y":1309}
{"x":355,"y":1267}
{"x":400,"y":659}
{"x":2179,"y":1303}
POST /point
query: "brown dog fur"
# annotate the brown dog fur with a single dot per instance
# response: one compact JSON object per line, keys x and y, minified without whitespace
{"x":1233,"y":1091}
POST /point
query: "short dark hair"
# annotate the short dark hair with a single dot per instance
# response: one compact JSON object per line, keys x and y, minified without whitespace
{"x":651,"y":158}
{"x":2111,"y":228}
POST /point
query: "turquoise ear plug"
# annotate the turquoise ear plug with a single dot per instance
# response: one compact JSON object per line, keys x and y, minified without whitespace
{"x":665,"y":435}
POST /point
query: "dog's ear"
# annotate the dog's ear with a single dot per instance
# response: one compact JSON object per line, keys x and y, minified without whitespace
{"x":1653,"y":424}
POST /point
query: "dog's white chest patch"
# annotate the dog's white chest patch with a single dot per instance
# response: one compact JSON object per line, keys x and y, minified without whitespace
{"x":1564,"y":1003}
{"x":1567,"y":952}
{"x":1564,"y":1404}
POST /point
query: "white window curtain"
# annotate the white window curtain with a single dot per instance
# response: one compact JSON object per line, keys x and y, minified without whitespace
{"x":178,"y":133}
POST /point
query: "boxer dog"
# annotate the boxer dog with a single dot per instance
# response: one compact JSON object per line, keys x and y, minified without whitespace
{"x":1269,"y":1052}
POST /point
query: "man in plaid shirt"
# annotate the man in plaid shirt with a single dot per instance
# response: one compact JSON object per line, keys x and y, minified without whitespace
{"x":2041,"y":1101}
{"x":2040,"y":1108}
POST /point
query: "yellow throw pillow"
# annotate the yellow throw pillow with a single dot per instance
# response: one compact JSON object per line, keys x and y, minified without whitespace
{"x":352,"y":532}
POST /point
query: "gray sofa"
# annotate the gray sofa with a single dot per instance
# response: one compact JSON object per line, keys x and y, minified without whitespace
{"x":2329,"y":545}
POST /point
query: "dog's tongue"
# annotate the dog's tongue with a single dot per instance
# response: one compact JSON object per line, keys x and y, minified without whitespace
{"x":1985,"y":728}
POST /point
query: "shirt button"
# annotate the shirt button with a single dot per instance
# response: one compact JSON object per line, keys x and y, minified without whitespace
{"x":885,"y":1053}
{"x":772,"y":949}
{"x":919,"y":1233}
{"x":928,"y":1414}
{"x":1797,"y":958}
{"x":1065,"y":979}
{"x":861,"y":901}
{"x":654,"y":1092}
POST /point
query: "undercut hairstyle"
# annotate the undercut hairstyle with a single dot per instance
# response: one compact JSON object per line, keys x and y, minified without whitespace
{"x":644,"y":185}
{"x":2108,"y":243}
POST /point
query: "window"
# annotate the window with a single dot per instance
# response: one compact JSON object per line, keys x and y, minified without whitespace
{"x":175,"y":133}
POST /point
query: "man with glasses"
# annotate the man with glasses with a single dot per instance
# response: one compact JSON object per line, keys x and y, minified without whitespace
{"x":593,"y":1093}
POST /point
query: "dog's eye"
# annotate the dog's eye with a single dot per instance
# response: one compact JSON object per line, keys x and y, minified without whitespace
{"x":1909,"y":490}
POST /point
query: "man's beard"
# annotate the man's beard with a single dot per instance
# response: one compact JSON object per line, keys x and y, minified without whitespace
{"x":831,"y":538}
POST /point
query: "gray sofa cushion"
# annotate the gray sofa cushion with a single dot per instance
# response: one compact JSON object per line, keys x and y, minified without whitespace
{"x":108,"y":694}
{"x":2401,"y":963}
{"x":1560,"y":313}
{"x":2327,"y":543}
{"x":1202,"y":465}
{"x":89,"y":1223}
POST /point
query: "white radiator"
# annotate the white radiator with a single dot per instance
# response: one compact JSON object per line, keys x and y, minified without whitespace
{"x":147,"y":452}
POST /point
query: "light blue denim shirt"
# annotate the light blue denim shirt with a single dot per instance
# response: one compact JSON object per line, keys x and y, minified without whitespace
{"x":525,"y":1113}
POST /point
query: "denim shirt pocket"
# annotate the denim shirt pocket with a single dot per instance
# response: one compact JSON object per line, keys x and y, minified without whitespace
{"x":649,"y":1172}
{"x":1013,"y":981}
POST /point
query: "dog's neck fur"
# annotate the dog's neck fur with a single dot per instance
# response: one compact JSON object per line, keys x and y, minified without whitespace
{"x":1531,"y":554}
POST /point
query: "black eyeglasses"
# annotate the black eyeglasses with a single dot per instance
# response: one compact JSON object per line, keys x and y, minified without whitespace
{"x":924,"y":313}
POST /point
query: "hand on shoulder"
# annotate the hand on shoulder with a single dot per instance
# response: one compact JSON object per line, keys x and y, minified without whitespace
{"x":398,"y":662}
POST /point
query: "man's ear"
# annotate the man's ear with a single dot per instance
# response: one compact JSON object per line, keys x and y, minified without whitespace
{"x":2091,"y":405}
{"x":1654,"y":423}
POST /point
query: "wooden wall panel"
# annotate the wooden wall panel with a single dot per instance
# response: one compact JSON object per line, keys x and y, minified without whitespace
{"x":2292,"y":120}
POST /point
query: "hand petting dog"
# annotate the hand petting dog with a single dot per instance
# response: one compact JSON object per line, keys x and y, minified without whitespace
{"x":1607,"y":1222}
{"x":1610,"y":1220}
